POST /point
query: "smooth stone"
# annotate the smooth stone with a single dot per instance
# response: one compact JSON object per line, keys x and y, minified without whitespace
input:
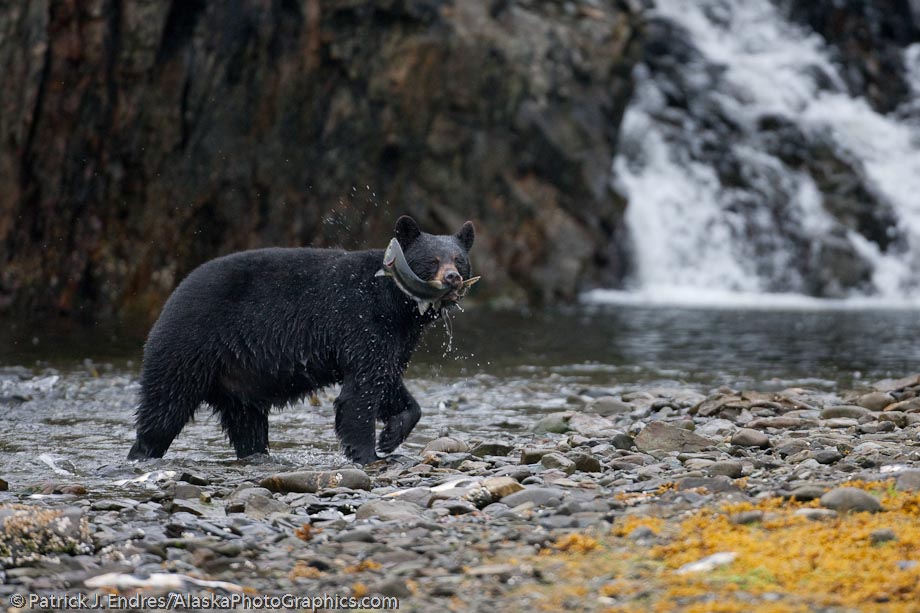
{"x":311,"y":481}
{"x":558,"y":461}
{"x":805,"y":493}
{"x":445,"y":444}
{"x":538,"y":496}
{"x":554,"y":423}
{"x":908,"y":481}
{"x":585,"y":462}
{"x":609,"y":405}
{"x":782,"y":423}
{"x":500,"y":487}
{"x":898,"y":418}
{"x":533,"y":455}
{"x":260,"y":507}
{"x":622,"y":441}
{"x":715,"y":485}
{"x":911,"y":405}
{"x":850,"y":499}
{"x":827,"y":456}
{"x":493,"y":448}
{"x":882,"y":535}
{"x":589,"y":424}
{"x":816,"y":514}
{"x":660,"y":436}
{"x":747,"y":437}
{"x":746,"y":517}
{"x":708,"y":564}
{"x":388,"y":510}
{"x":730,"y":469}
{"x":194,"y":479}
{"x":875,"y":401}
{"x":4,"y":485}
{"x":844,"y":410}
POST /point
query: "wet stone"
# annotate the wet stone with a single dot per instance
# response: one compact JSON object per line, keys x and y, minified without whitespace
{"x":660,"y":436}
{"x":908,"y":481}
{"x":828,"y":456}
{"x":585,"y":462}
{"x":875,"y":401}
{"x":850,"y":411}
{"x":445,"y":444}
{"x":746,"y":517}
{"x":259,"y":507}
{"x":558,"y":461}
{"x":194,"y":479}
{"x":310,"y":481}
{"x":850,"y":499}
{"x":387,"y":510}
{"x":557,"y":423}
{"x":882,"y":535}
{"x":730,"y":469}
{"x":609,"y":405}
{"x":533,"y":455}
{"x":539,"y":496}
{"x":492,"y":448}
{"x":805,"y":493}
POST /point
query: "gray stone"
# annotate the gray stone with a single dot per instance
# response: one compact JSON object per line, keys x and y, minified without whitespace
{"x":310,"y":481}
{"x":746,"y":517}
{"x":728,"y":468}
{"x":388,"y":510}
{"x":816,"y":514}
{"x":908,"y":481}
{"x":493,"y":448}
{"x":845,"y":499}
{"x":608,"y":405}
{"x":559,"y":461}
{"x":746,"y":437}
{"x":828,"y":456}
{"x":805,"y":493}
{"x":875,"y":401}
{"x":260,"y":507}
{"x":844,"y":410}
{"x":664,"y":437}
{"x":532,"y":455}
{"x":585,"y":462}
{"x":539,"y":496}
{"x":553,"y":423}
{"x":445,"y":444}
{"x":882,"y":535}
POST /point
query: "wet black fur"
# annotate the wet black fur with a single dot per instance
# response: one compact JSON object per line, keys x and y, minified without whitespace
{"x":263,"y":328}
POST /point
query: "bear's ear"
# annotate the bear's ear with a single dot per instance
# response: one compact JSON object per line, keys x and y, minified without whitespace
{"x":466,"y":235}
{"x":406,"y":231}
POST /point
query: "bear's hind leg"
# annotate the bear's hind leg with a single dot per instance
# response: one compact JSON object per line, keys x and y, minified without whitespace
{"x":246,"y":426}
{"x":399,"y":424}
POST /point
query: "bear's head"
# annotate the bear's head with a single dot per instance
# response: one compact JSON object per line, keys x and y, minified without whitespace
{"x":440,"y":257}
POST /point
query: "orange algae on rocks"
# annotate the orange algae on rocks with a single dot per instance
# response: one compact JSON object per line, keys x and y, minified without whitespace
{"x":785,"y":562}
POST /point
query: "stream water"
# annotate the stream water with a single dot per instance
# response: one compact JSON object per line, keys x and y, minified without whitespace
{"x":71,"y":421}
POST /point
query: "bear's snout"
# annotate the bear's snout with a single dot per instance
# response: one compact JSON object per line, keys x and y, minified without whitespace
{"x":453,"y":278}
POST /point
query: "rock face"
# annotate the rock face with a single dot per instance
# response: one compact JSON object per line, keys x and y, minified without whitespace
{"x":143,"y":138}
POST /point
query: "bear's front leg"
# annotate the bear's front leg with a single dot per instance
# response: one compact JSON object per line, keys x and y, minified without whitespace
{"x":355,"y":416}
{"x":399,"y":419}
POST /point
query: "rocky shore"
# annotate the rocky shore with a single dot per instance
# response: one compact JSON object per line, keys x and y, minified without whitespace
{"x":661,"y":497}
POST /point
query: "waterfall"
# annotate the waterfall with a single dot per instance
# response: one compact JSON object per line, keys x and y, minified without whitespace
{"x":752,"y":174}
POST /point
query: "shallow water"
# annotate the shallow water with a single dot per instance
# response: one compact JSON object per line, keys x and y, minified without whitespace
{"x":505,"y":368}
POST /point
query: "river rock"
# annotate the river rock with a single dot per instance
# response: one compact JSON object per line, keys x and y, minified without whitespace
{"x":911,"y":405}
{"x":908,"y":481}
{"x":491,"y":448}
{"x":557,"y":460}
{"x":875,"y":401}
{"x":664,"y":437}
{"x":585,"y":462}
{"x":389,"y":510}
{"x":445,"y":444}
{"x":557,"y":423}
{"x":727,"y":468}
{"x":539,"y":496}
{"x":609,"y":405}
{"x":260,"y":507}
{"x":591,"y":425}
{"x":4,"y":485}
{"x":28,"y":532}
{"x":311,"y":481}
{"x":850,"y":499}
{"x":500,"y":487}
{"x":844,"y":410}
{"x":532,"y":455}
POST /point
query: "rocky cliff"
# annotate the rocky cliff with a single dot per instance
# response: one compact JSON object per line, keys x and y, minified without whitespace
{"x":139,"y":138}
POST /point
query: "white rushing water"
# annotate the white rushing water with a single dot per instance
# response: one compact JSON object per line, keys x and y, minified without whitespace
{"x":696,"y":240}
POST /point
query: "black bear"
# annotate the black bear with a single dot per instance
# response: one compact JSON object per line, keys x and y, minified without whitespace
{"x":263,"y":328}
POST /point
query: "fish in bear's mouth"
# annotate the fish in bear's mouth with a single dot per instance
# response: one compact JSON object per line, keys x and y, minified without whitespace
{"x":426,"y":293}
